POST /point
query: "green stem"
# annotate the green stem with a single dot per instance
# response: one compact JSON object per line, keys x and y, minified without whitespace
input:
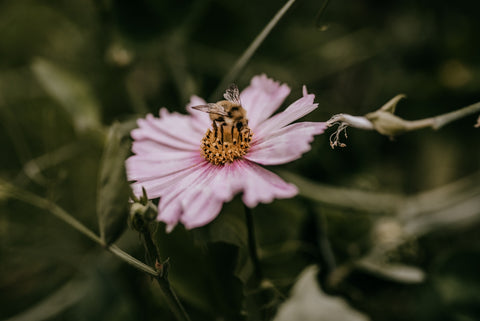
{"x":172,"y":300}
{"x":248,"y":53}
{"x":131,"y":260}
{"x":40,"y":202}
{"x":252,"y":245}
{"x":259,"y":303}
{"x":63,"y":215}
{"x":162,"y":276}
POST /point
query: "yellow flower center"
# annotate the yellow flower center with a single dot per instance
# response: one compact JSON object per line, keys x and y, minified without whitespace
{"x":225,"y":143}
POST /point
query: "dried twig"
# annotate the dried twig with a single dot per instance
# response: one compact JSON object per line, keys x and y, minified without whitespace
{"x":385,"y":122}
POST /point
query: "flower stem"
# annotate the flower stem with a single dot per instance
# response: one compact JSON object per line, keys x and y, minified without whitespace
{"x":260,"y":303}
{"x":252,"y":246}
{"x":442,"y":120}
{"x":385,"y":122}
{"x":437,"y":122}
{"x":131,"y":260}
{"x":172,"y":300}
{"x":162,"y":276}
{"x":43,"y":203}
{"x":63,"y":215}
{"x":248,"y":53}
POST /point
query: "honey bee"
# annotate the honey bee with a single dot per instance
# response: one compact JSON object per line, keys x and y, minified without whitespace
{"x":230,"y":137}
{"x":228,"y":112}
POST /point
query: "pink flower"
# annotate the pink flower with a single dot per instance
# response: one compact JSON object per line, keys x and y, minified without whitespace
{"x":172,"y":152}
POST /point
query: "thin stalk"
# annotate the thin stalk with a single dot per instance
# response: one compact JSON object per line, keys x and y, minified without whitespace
{"x":172,"y":300}
{"x":320,"y":13}
{"x":45,"y":204}
{"x":325,"y":246}
{"x":442,"y":120}
{"x":63,"y":215}
{"x":386,"y":123}
{"x":162,"y":276}
{"x":260,"y":303}
{"x":252,"y":245}
{"x":115,"y":250}
{"x":439,"y":121}
{"x":248,"y":53}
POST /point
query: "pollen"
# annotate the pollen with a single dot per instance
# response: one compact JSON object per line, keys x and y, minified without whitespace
{"x":225,"y":143}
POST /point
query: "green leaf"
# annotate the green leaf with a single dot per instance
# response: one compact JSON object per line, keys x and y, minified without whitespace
{"x":203,"y":274}
{"x":229,"y":227}
{"x":71,"y":92}
{"x":113,"y":189}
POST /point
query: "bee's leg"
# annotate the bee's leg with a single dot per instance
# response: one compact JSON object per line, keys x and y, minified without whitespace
{"x":215,"y":129}
{"x":221,"y":134}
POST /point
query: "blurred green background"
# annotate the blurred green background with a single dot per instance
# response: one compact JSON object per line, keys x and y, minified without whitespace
{"x":391,"y":224}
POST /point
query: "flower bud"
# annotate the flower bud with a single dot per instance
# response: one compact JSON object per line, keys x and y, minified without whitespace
{"x":142,"y":214}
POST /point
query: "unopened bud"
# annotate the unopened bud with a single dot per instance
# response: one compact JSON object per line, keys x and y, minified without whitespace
{"x":141,"y":215}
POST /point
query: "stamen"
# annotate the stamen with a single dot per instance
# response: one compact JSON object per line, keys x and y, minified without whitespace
{"x":225,"y":144}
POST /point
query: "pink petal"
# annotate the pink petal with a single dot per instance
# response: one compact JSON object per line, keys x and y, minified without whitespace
{"x":262,"y":98}
{"x":286,"y":144}
{"x":159,"y":183}
{"x":200,"y":208}
{"x":147,"y":146}
{"x":260,"y":185}
{"x":172,"y":130}
{"x":298,"y":109}
{"x":182,"y":127}
{"x":154,"y":165}
{"x":195,"y":200}
{"x":170,"y":207}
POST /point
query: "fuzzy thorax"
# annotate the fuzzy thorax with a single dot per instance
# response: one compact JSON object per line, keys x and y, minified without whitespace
{"x":225,"y":143}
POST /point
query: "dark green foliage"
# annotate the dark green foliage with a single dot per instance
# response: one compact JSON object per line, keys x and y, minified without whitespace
{"x":74,"y":76}
{"x":202,"y":273}
{"x":113,"y":189}
{"x":229,"y":228}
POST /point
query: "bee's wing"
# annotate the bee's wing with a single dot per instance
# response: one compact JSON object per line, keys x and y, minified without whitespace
{"x":211,"y":109}
{"x":232,"y":94}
